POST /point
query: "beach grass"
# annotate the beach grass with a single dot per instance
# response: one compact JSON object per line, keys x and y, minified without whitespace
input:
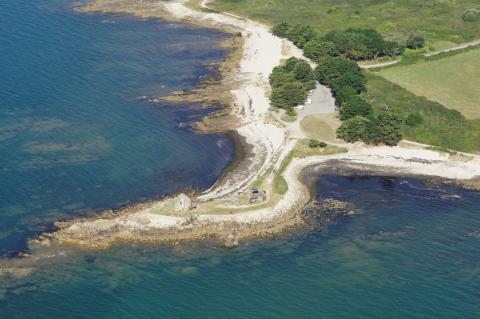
{"x":440,"y":21}
{"x":301,"y":150}
{"x":453,"y":81}
{"x":441,"y":127}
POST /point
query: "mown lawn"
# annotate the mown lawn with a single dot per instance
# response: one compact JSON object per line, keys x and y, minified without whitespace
{"x":442,"y":127}
{"x":453,"y":81}
{"x":438,"y":20}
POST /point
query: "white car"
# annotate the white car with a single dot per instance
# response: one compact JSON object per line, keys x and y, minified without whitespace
{"x":309,"y":101}
{"x":310,"y":93}
{"x":300,"y":107}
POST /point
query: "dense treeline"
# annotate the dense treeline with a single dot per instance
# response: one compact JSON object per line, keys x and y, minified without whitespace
{"x":335,"y":54}
{"x":354,"y":43}
{"x":291,"y":83}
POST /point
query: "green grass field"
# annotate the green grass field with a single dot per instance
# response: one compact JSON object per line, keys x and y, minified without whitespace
{"x":439,"y":20}
{"x":453,"y":81}
{"x":442,"y":127}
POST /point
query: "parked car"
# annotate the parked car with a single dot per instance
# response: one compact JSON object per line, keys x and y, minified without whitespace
{"x":300,"y":107}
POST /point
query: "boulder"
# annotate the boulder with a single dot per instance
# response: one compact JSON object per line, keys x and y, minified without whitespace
{"x":182,"y":203}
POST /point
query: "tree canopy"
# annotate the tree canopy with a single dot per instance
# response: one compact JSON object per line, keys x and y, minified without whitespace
{"x":353,"y":43}
{"x":291,"y":82}
{"x":336,"y":54}
{"x":354,"y":106}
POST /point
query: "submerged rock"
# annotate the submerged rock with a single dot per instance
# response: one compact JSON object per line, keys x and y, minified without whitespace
{"x":231,"y":241}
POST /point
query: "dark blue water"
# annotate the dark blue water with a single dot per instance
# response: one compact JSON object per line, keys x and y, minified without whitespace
{"x":74,"y":137}
{"x":410,"y":251}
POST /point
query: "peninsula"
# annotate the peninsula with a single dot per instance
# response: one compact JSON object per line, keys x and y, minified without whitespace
{"x":276,"y":150}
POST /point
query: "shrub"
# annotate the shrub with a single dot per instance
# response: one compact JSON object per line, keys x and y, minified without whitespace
{"x":416,"y":41}
{"x":355,"y":106}
{"x":291,"y":112}
{"x":471,"y":15}
{"x":315,"y":144}
{"x":414,"y":120}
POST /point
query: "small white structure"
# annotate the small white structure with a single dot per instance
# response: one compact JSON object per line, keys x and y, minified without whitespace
{"x":182,"y":203}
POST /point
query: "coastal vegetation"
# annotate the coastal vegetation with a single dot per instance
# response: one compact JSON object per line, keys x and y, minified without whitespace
{"x":291,"y":83}
{"x":366,"y":100}
{"x":335,"y":55}
{"x":452,"y":80}
{"x":303,"y":148}
{"x":442,"y":23}
{"x":425,"y":121}
{"x":353,"y":43}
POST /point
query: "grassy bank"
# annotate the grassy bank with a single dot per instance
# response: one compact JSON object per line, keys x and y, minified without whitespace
{"x":440,"y":21}
{"x":452,"y":81}
{"x":301,"y":150}
{"x":441,"y":127}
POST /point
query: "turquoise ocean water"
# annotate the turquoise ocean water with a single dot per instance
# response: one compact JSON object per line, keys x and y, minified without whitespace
{"x":74,"y":138}
{"x":411,"y":251}
{"x":75,"y":134}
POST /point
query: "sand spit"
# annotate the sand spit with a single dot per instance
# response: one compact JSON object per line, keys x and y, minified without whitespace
{"x":269,"y":144}
{"x":146,"y":225}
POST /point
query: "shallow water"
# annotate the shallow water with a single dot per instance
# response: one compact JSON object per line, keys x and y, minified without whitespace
{"x":410,"y":251}
{"x":74,"y":138}
{"x":74,"y":135}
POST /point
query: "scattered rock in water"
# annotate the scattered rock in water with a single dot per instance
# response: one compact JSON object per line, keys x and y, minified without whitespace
{"x":231,"y":241}
{"x":325,"y":212}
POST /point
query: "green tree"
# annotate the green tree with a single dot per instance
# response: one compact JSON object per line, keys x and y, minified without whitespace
{"x":316,"y":49}
{"x":288,"y":95}
{"x":355,"y":106}
{"x":353,"y":79}
{"x":300,"y":34}
{"x":343,"y":94}
{"x":353,"y":130}
{"x":303,"y":72}
{"x":386,"y":129}
{"x":281,"y":30}
{"x":279,"y":76}
{"x":329,"y":69}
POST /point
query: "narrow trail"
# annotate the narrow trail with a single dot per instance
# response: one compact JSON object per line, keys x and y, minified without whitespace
{"x":429,"y":54}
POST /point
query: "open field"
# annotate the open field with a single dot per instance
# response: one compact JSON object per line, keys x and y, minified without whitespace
{"x":439,"y":21}
{"x":442,"y":127}
{"x":321,"y":127}
{"x":453,"y":81}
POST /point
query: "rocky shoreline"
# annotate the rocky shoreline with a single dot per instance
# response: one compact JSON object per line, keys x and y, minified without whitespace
{"x":266,"y":145}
